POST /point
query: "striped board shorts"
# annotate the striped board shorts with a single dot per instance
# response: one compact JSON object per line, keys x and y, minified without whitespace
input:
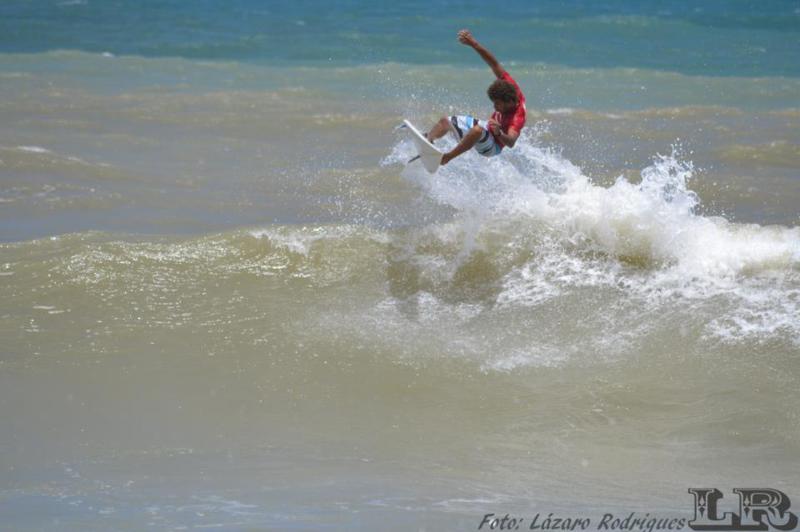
{"x":486,"y":145}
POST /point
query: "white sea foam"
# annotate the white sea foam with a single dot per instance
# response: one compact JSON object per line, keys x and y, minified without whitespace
{"x":652,"y":222}
{"x":538,"y":356}
{"x":563,"y":111}
{"x":300,"y":240}
{"x":647,"y":238}
{"x":33,"y":149}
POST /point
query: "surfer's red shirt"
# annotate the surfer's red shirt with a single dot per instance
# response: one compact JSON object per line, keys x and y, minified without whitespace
{"x":515,"y":119}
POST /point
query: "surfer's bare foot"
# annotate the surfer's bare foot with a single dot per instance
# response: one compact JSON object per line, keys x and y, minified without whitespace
{"x":428,"y":137}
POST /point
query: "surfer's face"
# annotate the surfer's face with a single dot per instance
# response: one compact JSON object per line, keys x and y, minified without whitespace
{"x":502,"y":106}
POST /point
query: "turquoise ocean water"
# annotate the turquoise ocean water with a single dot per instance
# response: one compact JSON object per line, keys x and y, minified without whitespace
{"x":226,"y":302}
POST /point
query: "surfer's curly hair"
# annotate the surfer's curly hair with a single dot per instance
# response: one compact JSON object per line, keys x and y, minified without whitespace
{"x":502,"y":90}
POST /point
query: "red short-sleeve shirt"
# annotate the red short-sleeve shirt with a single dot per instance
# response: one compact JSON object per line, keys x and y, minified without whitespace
{"x":516,"y":118}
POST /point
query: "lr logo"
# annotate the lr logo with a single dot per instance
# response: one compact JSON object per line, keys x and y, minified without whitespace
{"x":759,"y":508}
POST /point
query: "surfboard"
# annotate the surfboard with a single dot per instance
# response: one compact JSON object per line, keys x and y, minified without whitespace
{"x":429,"y":155}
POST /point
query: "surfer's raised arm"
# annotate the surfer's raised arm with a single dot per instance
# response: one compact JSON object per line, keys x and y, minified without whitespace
{"x":465,"y":37}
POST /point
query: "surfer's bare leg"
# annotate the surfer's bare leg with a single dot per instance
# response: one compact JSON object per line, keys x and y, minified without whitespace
{"x":439,"y":129}
{"x":470,"y":139}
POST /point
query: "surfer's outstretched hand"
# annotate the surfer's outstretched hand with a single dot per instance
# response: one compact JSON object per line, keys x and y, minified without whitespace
{"x":445,"y":159}
{"x":465,"y":37}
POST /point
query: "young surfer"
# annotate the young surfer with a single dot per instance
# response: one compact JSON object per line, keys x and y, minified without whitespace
{"x":504,"y":126}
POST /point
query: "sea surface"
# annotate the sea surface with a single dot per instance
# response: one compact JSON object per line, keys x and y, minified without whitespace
{"x":227,"y":303}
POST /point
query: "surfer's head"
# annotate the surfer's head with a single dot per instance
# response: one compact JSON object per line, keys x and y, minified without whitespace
{"x":503,"y":95}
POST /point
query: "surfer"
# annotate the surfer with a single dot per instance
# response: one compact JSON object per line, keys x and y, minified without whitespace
{"x":504,"y":126}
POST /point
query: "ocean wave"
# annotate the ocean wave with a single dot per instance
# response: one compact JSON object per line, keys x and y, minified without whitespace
{"x":536,"y":265}
{"x":526,"y":294}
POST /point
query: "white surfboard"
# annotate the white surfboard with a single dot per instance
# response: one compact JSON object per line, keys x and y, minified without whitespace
{"x":429,"y":155}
